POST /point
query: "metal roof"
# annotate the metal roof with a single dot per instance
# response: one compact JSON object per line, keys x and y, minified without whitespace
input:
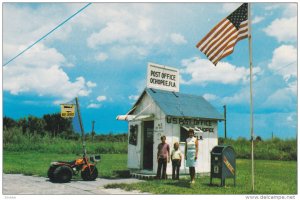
{"x":182,"y":105}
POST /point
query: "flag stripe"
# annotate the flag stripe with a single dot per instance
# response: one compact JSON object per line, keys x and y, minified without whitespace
{"x":220,"y":38}
{"x":222,"y":48}
{"x":217,"y":52}
{"x":210,"y":36}
{"x":212,"y":30}
{"x":216,"y":35}
{"x":220,"y":42}
{"x":226,"y":43}
{"x":232,"y":47}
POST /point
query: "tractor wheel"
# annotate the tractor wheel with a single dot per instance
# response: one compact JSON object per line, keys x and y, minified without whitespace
{"x":50,"y":173}
{"x":62,"y":174}
{"x":89,"y":173}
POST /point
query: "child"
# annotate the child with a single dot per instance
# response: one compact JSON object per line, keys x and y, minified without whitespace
{"x":176,"y":161}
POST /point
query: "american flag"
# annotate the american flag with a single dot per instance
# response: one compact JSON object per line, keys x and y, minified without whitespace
{"x":220,"y":41}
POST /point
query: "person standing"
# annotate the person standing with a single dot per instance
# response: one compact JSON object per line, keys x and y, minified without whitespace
{"x":191,"y":152}
{"x":176,"y":161}
{"x":163,"y":156}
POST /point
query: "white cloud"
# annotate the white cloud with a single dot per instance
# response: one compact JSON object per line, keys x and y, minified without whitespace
{"x":229,"y":7}
{"x":283,"y":98}
{"x":125,"y":31}
{"x":39,"y":71}
{"x":284,"y":61}
{"x":93,"y":105}
{"x":241,"y":97}
{"x":290,"y":10}
{"x":121,"y":52}
{"x":210,"y":97}
{"x":133,"y":97}
{"x":203,"y":71}
{"x":272,"y":6}
{"x":101,"y":98}
{"x":178,"y":39}
{"x":21,"y":29}
{"x":257,"y":19}
{"x":91,"y":84}
{"x":292,"y":119}
{"x":283,"y":29}
{"x":101,"y":57}
{"x":38,"y":56}
{"x":51,"y":81}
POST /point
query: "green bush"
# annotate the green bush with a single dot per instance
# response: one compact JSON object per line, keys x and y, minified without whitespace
{"x":16,"y":141}
{"x":272,"y":149}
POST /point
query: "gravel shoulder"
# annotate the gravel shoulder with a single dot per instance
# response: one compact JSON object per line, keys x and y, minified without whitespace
{"x":18,"y":184}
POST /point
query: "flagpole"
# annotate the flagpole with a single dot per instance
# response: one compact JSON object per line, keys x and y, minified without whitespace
{"x":251,"y":101}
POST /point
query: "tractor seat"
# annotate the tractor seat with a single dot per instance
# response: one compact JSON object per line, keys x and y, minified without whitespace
{"x":68,"y":162}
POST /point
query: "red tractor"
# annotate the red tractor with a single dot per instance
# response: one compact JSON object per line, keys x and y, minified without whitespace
{"x":62,"y":171}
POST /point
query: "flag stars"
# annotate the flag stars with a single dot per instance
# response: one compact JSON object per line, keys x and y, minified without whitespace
{"x":239,"y":15}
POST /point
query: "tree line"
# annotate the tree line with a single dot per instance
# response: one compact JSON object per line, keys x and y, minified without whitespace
{"x":54,"y":125}
{"x":49,"y":124}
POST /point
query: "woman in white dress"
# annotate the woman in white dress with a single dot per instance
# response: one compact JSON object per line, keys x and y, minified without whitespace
{"x":191,"y":152}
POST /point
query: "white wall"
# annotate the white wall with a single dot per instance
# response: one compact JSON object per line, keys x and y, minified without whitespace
{"x":172,"y":132}
{"x":134,"y":152}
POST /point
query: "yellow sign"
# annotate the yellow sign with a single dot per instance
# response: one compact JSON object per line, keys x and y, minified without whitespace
{"x":228,"y":165}
{"x":67,"y":110}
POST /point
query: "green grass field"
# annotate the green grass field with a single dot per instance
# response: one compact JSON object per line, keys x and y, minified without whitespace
{"x":271,"y":177}
{"x":32,"y":163}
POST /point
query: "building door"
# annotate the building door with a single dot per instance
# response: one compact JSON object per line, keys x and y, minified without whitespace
{"x":148,"y":145}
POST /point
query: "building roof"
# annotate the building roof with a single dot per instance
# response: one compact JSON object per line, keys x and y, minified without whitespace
{"x":182,"y":105}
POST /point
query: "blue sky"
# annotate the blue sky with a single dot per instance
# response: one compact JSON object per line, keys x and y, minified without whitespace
{"x":101,"y":55}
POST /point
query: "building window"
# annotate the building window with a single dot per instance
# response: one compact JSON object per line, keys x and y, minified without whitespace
{"x":183,"y":134}
{"x":133,"y":134}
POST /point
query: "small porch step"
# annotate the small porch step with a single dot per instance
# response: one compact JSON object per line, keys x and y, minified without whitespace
{"x":143,"y":176}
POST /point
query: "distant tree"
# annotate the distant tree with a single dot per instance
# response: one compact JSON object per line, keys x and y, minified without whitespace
{"x":93,"y":133}
{"x":36,"y":124}
{"x":23,"y":123}
{"x":56,"y":125}
{"x":9,"y":122}
{"x":258,"y":139}
{"x":221,"y":140}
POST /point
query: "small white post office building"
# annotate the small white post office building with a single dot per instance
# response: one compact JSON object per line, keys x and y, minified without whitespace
{"x":159,"y":112}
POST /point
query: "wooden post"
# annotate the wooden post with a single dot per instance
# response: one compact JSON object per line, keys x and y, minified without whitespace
{"x":225,"y":122}
{"x":81,"y":126}
{"x":93,"y":132}
{"x":251,"y":99}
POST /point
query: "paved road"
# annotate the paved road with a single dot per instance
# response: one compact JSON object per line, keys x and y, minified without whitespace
{"x":14,"y":184}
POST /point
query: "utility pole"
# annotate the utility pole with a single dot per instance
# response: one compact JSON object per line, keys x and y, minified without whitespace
{"x":93,"y":132}
{"x":272,"y":135}
{"x":225,"y":128}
